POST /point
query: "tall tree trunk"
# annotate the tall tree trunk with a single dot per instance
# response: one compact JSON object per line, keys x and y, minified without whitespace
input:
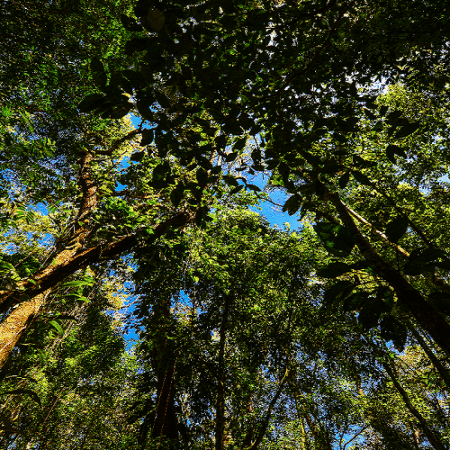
{"x":14,"y":326}
{"x":427,"y":431}
{"x":162,"y":423}
{"x":220,"y":402}
{"x":443,"y":371}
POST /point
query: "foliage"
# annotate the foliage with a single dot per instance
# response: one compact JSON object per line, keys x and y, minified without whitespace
{"x":335,"y":335}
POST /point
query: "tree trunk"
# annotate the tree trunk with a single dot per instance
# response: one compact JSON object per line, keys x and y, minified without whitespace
{"x":164,"y":425}
{"x":427,"y":431}
{"x":12,"y":328}
{"x":428,"y":318}
{"x":443,"y":372}
{"x":220,"y":402}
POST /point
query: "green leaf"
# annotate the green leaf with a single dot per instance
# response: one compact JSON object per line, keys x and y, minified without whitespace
{"x":344,"y":179}
{"x":231,"y":156}
{"x":338,"y":291}
{"x":440,"y":301}
{"x":92,"y":102}
{"x":396,"y":228}
{"x":361,"y":178}
{"x":334,"y":270}
{"x":57,"y":326}
{"x":202,"y":176}
{"x":253,"y":187}
{"x":6,"y":266}
{"x":383,"y":110}
{"x":336,"y":238}
{"x":147,"y":137}
{"x":236,"y":189}
{"x":156,"y":19}
{"x":137,"y":156}
{"x":393,"y":330}
{"x":129,"y":23}
{"x":240,"y":144}
{"x":370,"y":312}
{"x":407,"y":130}
{"x":292,"y":204}
{"x":162,"y":100}
{"x":392,"y":150}
{"x":29,"y":392}
{"x":98,"y":72}
{"x":355,"y":301}
{"x":78,"y":283}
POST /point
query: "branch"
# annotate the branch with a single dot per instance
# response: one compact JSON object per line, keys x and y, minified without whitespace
{"x":52,"y":275}
{"x":266,"y":420}
{"x":116,"y":145}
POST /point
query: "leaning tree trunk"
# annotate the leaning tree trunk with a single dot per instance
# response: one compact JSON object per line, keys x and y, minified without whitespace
{"x":15,"y":324}
{"x":428,"y":318}
{"x":66,"y":263}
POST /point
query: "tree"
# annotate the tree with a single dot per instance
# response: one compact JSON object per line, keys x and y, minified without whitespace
{"x":362,"y":163}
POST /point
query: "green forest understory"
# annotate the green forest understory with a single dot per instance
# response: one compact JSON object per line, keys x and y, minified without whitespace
{"x":145,"y":300}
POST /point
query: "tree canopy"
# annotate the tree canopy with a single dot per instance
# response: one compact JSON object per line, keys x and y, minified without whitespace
{"x":144,"y":304}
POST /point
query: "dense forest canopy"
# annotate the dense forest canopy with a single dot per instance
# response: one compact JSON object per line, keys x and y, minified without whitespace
{"x":144,"y":304}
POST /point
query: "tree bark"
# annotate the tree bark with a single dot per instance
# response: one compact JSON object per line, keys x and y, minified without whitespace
{"x":220,"y":402}
{"x":427,"y":431}
{"x":443,"y":372}
{"x":428,"y":318}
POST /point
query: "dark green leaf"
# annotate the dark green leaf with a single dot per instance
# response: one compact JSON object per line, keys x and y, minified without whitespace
{"x":202,"y":176}
{"x":98,"y":72}
{"x":355,"y":301}
{"x":336,"y":238}
{"x":361,"y":178}
{"x":440,"y":301}
{"x":392,"y":150}
{"x":370,"y":312}
{"x":137,"y":156}
{"x":92,"y":102}
{"x":129,"y":23}
{"x":334,"y":270}
{"x":393,"y":330}
{"x":147,"y":137}
{"x":344,"y":179}
{"x":177,"y":195}
{"x":162,"y":100}
{"x":231,"y":156}
{"x":338,"y":291}
{"x":292,"y":204}
{"x":383,"y":110}
{"x":253,"y":187}
{"x":407,"y":130}
{"x":396,"y":228}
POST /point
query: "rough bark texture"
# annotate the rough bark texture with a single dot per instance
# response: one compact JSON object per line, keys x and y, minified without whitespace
{"x":12,"y":328}
{"x":64,"y":265}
